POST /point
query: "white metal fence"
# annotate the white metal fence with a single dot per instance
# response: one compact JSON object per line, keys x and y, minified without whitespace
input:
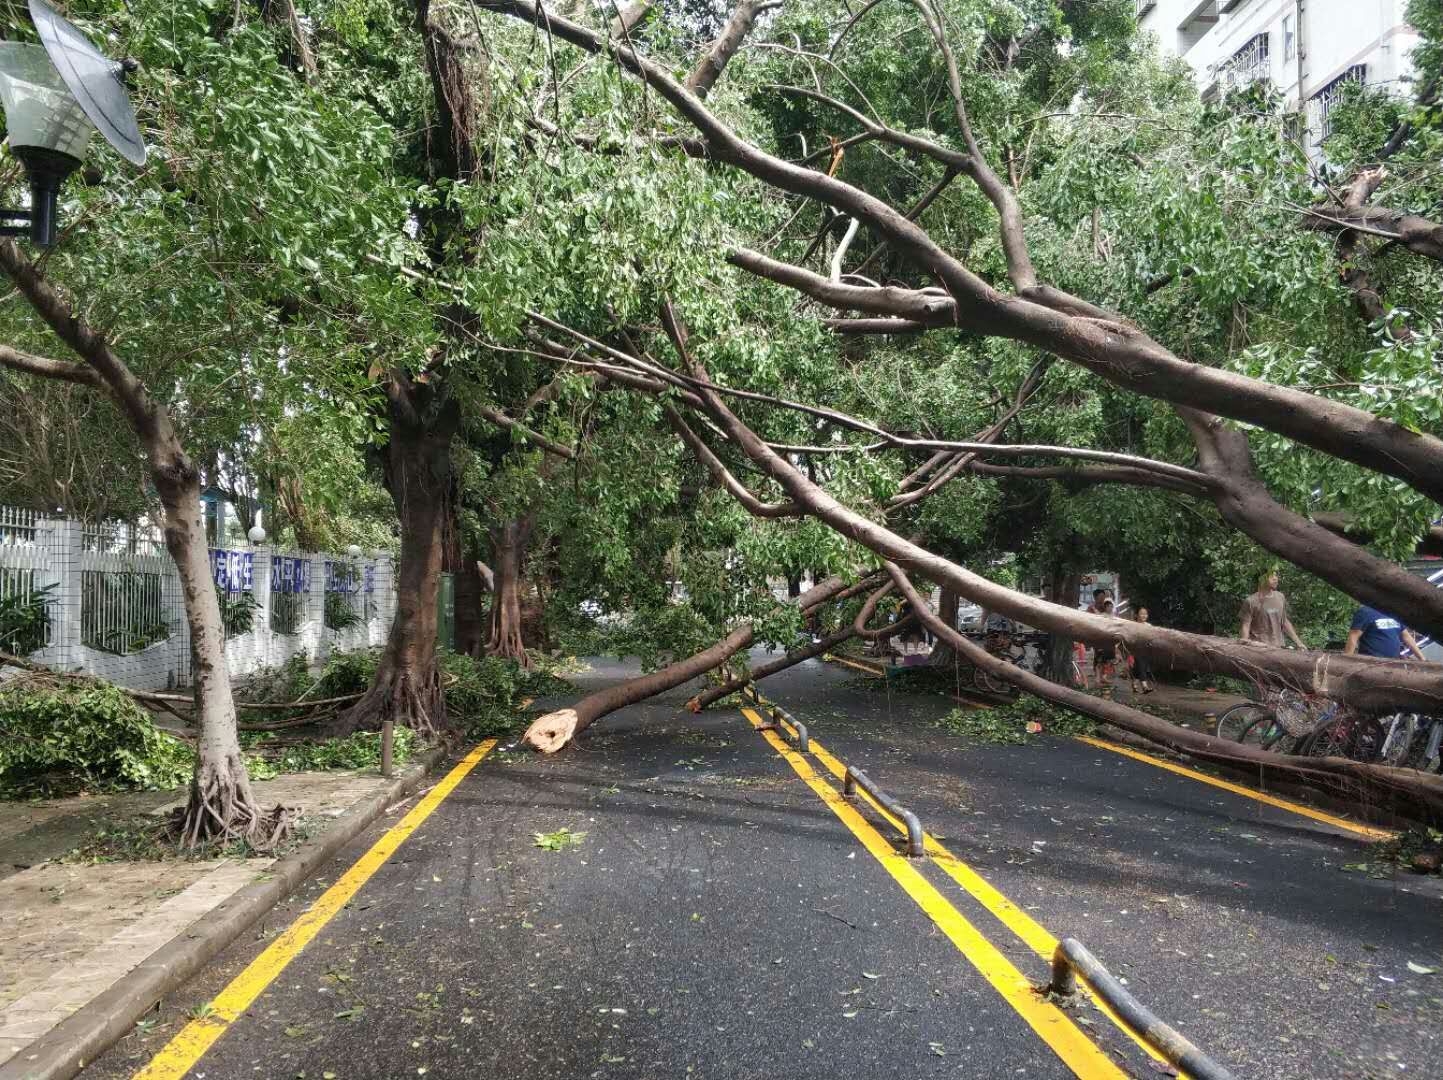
{"x":106,"y":600}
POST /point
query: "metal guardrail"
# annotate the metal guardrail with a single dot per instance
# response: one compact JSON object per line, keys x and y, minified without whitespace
{"x":804,"y":741}
{"x":1072,"y":959}
{"x":856,"y":778}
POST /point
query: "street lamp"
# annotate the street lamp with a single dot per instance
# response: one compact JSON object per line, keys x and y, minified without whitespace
{"x":55,"y":94}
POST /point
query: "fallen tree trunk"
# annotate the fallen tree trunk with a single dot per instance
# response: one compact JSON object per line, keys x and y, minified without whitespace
{"x":1404,"y":791}
{"x":858,"y":628}
{"x":771,"y":667}
{"x":551,"y":732}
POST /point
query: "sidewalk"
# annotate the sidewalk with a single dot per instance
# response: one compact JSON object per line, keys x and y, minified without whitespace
{"x":70,"y":930}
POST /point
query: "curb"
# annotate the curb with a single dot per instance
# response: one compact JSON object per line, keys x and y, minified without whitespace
{"x":77,"y":1041}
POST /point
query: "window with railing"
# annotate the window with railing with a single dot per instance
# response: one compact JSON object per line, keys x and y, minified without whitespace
{"x":290,"y":592}
{"x":1250,"y":64}
{"x":1321,"y":104}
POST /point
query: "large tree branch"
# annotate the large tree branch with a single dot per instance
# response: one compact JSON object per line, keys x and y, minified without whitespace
{"x":710,"y":67}
{"x":551,"y":732}
{"x":1245,"y":503}
{"x":541,"y":442}
{"x":1417,"y":234}
{"x":64,"y":370}
{"x":722,"y":476}
{"x":1363,"y":681}
{"x":953,"y":159}
{"x":1405,"y":789}
{"x":1116,"y":350}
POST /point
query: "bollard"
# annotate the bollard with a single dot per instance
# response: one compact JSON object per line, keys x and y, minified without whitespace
{"x":855,"y":778}
{"x":1072,"y":958}
{"x":388,"y":738}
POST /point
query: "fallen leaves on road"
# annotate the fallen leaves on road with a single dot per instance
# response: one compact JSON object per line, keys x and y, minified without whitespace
{"x":559,"y":840}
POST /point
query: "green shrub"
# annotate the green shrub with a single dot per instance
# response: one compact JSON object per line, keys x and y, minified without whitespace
{"x":484,"y":696}
{"x":63,"y":735}
{"x":24,"y":617}
{"x":361,"y":750}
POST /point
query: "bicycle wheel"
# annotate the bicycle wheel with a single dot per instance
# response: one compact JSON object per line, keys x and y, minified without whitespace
{"x":1399,"y":732}
{"x":1233,"y":722}
{"x":1359,"y":738}
{"x":985,"y":680}
{"x":1266,"y":733}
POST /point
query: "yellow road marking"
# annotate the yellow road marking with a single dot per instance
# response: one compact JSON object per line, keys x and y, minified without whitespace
{"x":855,"y":664}
{"x":1030,"y":932}
{"x":182,"y":1052}
{"x":1079,"y":1053}
{"x":1238,"y":789}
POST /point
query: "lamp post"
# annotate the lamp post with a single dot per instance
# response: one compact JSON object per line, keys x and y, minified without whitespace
{"x":55,"y":95}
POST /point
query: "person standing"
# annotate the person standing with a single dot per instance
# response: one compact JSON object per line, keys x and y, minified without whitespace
{"x":1265,"y":615}
{"x":1374,"y":633}
{"x":1104,"y":657}
{"x":1140,"y":669}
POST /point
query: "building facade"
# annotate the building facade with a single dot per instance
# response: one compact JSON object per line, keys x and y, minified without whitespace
{"x":1308,"y":50}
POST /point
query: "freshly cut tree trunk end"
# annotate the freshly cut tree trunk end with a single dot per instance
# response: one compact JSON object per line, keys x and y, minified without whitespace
{"x":551,"y":732}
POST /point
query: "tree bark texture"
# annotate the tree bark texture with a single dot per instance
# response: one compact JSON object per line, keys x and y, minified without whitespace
{"x":551,"y":732}
{"x":508,"y":554}
{"x":407,"y":684}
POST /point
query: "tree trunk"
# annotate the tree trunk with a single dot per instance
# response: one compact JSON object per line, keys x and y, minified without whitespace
{"x":407,"y":685}
{"x":551,"y":732}
{"x":508,"y":556}
{"x":771,"y":667}
{"x":943,"y":655}
{"x":1065,"y":586}
{"x":1404,"y":791}
{"x":470,"y":592}
{"x":221,"y":805}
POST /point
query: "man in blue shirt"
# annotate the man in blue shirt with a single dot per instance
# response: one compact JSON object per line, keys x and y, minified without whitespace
{"x":1375,"y":634}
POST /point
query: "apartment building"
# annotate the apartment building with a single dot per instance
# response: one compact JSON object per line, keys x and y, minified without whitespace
{"x":1307,"y":49}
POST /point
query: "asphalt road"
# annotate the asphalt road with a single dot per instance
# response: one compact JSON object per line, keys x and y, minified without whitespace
{"x":720,"y":919}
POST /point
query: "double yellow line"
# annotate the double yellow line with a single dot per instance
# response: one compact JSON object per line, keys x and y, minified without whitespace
{"x":1076,"y":1050}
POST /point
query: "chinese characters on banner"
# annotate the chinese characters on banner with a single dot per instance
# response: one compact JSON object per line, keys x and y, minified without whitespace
{"x":346,"y":577}
{"x":290,"y":575}
{"x":233,"y":570}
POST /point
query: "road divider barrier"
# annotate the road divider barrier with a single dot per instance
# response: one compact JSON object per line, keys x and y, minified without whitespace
{"x":1071,"y":959}
{"x":804,"y":740}
{"x":856,"y":778}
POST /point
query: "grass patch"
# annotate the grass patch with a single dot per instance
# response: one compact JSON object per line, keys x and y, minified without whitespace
{"x":361,"y":750}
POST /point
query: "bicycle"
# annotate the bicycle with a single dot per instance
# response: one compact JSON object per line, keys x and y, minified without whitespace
{"x":1281,"y":715}
{"x":1411,"y":741}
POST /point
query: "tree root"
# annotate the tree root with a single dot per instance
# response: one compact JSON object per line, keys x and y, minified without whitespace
{"x":222,"y":809}
{"x":397,"y":697}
